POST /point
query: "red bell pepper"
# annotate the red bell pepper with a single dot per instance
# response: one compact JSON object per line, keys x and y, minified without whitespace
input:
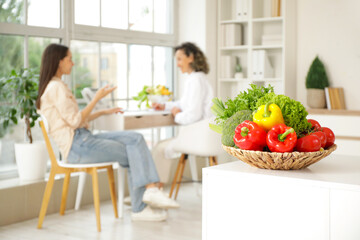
{"x":330,"y":136}
{"x":249,"y":136}
{"x":309,"y":143}
{"x":281,"y":138}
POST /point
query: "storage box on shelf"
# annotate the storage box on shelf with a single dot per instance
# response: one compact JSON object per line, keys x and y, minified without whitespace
{"x":266,"y":47}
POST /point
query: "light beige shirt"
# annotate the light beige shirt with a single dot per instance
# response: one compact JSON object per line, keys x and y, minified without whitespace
{"x":59,"y":107}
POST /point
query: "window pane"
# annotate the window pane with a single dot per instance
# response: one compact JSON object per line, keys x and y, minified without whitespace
{"x":114,"y":13}
{"x":12,"y":11}
{"x":11,"y":53}
{"x":141,"y":15}
{"x":38,"y":16}
{"x":140,"y":72}
{"x":114,"y":68}
{"x":163,"y":66}
{"x":36,"y":47}
{"x":162,"y":16}
{"x":86,"y":70}
{"x":87,"y":12}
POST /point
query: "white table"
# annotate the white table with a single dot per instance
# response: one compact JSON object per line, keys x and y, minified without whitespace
{"x":147,"y":119}
{"x":316,"y":203}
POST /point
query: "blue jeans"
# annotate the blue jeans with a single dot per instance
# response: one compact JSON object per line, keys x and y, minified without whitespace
{"x":126,"y":147}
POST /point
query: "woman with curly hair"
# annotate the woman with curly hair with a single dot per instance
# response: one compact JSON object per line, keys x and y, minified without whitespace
{"x":194,"y":104}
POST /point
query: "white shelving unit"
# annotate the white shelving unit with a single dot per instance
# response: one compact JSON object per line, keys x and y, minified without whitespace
{"x":258,"y":22}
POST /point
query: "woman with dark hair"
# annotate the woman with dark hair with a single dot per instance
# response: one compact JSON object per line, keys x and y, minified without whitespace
{"x":194,"y":105}
{"x":68,"y":128}
{"x":195,"y":102}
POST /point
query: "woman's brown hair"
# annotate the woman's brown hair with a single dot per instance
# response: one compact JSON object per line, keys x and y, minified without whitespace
{"x":49,"y":65}
{"x":200,"y":62}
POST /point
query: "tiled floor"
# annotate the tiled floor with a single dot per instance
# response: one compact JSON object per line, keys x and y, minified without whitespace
{"x":183,"y":223}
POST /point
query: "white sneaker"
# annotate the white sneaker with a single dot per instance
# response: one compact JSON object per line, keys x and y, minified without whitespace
{"x":149,"y":214}
{"x":157,"y":199}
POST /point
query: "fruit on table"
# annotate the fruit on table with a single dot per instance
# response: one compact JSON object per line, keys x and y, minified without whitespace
{"x":322,"y":138}
{"x":281,"y":138}
{"x":330,"y":136}
{"x":309,"y":143}
{"x":268,"y":115}
{"x":249,"y":136}
{"x":315,"y":125}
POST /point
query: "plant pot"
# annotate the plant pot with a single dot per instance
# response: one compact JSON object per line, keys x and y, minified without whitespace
{"x":31,"y":161}
{"x":316,"y":98}
{"x":239,"y":75}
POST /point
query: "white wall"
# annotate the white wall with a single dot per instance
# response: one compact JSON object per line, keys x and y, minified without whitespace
{"x":197,"y":23}
{"x":331,"y":30}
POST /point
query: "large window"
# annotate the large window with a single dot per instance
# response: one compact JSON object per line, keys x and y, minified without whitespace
{"x":118,"y":42}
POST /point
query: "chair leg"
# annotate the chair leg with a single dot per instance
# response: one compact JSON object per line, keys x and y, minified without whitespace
{"x":176,"y":175}
{"x":112,"y":189}
{"x":95,"y":183}
{"x":121,"y":187}
{"x":65,"y":191}
{"x":215,"y":160}
{"x":46,"y":198}
{"x":80,"y":189}
{"x":180,"y":178}
{"x":211,"y":162}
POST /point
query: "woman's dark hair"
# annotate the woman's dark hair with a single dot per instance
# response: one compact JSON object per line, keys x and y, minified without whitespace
{"x":200,"y":63}
{"x":49,"y":65}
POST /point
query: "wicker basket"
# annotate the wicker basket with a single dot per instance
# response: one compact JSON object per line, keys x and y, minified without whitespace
{"x":279,"y":161}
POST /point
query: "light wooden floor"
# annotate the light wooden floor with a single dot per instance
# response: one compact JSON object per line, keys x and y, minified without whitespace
{"x":182,"y":224}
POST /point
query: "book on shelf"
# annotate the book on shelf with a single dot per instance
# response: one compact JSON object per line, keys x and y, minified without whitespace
{"x":241,"y":9}
{"x":261,"y":65}
{"x":271,"y":39}
{"x":227,"y":66}
{"x":275,"y":8}
{"x":335,"y":98}
{"x":232,"y":34}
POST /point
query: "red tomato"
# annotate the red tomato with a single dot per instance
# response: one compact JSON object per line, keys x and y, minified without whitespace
{"x":309,"y":143}
{"x":322,"y":137}
{"x":330,"y":136}
{"x":315,"y":125}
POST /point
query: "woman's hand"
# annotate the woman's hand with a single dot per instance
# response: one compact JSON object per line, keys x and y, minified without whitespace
{"x":175,"y":110}
{"x":102,"y":92}
{"x":158,"y":106}
{"x":112,"y":111}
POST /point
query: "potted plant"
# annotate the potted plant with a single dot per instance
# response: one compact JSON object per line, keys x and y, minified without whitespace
{"x":18,"y":94}
{"x":158,"y":94}
{"x":238,"y":69}
{"x":316,"y":82}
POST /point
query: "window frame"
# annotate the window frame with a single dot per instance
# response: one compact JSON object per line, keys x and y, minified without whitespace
{"x":70,"y":31}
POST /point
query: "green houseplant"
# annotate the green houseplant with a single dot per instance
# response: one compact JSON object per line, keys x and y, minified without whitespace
{"x":238,"y":69}
{"x":316,"y":82}
{"x":19,"y":90}
{"x":18,"y":95}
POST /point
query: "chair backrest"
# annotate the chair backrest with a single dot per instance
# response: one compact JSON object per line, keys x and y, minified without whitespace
{"x":44,"y":128}
{"x":198,"y":139}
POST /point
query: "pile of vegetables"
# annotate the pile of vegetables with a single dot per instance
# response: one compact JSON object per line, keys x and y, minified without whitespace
{"x":260,"y":120}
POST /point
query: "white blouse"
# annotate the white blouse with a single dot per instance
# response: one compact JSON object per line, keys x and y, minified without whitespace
{"x":196,"y":100}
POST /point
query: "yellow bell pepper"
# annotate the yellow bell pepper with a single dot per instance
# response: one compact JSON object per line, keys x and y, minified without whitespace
{"x":268,"y":116}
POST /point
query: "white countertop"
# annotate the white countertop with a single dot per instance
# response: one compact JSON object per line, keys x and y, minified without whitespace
{"x":335,"y":170}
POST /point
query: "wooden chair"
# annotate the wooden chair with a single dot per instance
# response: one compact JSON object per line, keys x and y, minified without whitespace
{"x":58,"y":167}
{"x":195,"y":140}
